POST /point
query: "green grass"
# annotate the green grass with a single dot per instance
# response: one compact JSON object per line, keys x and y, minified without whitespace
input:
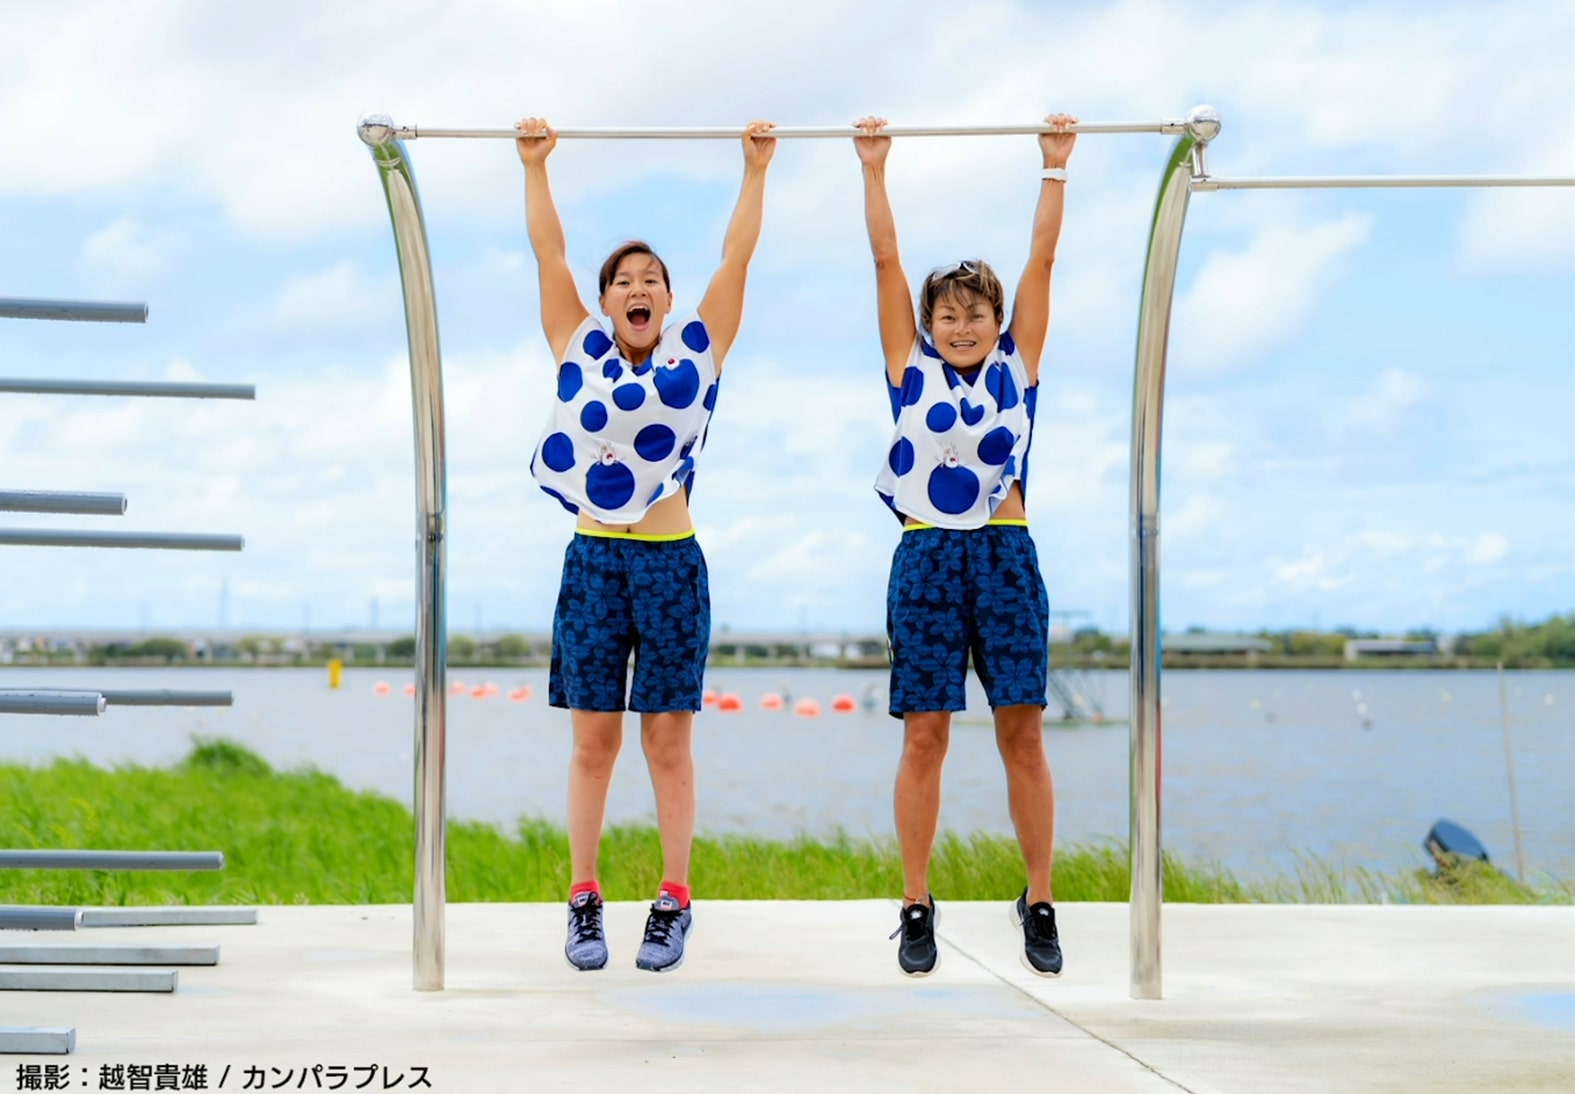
{"x":302,"y":837}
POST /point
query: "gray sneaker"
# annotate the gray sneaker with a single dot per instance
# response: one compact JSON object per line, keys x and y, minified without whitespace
{"x":587,"y":945}
{"x":666,"y":928}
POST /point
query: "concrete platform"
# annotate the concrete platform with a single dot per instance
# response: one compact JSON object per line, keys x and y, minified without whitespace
{"x":806,"y":996}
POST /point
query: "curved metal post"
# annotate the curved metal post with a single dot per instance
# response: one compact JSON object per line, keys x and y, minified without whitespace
{"x":1148,"y":397}
{"x":426,"y":386}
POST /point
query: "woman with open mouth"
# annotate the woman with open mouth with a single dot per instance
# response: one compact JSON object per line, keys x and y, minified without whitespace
{"x":634,"y":399}
{"x":965,"y":582}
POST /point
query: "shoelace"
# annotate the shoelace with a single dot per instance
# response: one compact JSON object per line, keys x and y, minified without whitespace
{"x":912,"y":922}
{"x":1042,"y":926}
{"x":659,"y":927}
{"x":586,"y":922}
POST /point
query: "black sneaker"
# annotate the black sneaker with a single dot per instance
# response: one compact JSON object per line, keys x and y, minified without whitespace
{"x":586,"y":948}
{"x":666,"y":928}
{"x":1041,"y":953}
{"x":917,"y":953}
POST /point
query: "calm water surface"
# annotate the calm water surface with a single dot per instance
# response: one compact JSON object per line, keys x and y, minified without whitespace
{"x":1259,"y":767}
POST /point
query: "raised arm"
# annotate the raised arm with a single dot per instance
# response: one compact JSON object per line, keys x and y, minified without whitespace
{"x":1031,"y":309}
{"x":897,"y":327}
{"x":562,"y":310}
{"x":722,"y":309}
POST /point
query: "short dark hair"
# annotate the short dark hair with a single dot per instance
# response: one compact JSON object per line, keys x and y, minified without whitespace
{"x":633,"y":247}
{"x":964,"y":280}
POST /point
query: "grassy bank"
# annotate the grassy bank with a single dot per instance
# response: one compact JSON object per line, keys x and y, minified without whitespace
{"x":302,"y":837}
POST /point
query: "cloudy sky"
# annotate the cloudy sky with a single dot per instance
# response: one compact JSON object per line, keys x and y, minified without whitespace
{"x":1370,"y":396}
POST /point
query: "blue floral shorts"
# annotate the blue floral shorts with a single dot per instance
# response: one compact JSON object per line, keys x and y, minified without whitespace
{"x":953,"y":593}
{"x":620,"y":596}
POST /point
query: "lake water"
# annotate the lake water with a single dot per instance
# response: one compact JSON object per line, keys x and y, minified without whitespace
{"x":1259,"y":767}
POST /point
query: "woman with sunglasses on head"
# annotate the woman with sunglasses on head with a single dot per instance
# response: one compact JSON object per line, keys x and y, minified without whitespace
{"x":965,"y":576}
{"x":634,"y":400}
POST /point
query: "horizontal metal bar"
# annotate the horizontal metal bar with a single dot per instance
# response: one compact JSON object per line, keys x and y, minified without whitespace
{"x":74,"y":954}
{"x":53,"y":501}
{"x":167,"y":916}
{"x":22,"y":918}
{"x":21,"y":978}
{"x":85,"y":704}
{"x":73,"y":311}
{"x":692,"y":133}
{"x":158,"y":390}
{"x":165,"y":541}
{"x":37,"y":1040}
{"x":1378,"y":182}
{"x":111,"y":860}
{"x":157,"y":697}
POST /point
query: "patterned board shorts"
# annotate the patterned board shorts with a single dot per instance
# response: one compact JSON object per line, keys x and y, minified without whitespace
{"x":953,"y":593}
{"x":622,"y":595}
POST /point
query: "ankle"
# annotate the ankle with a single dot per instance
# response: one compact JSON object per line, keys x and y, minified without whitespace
{"x":678,"y":892}
{"x":591,"y":886}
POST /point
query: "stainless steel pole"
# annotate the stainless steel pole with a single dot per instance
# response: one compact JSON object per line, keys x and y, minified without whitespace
{"x":426,"y":385}
{"x":111,"y":860}
{"x":154,"y":389}
{"x":75,"y":311}
{"x":52,"y":501}
{"x":1379,"y":182}
{"x":165,"y":541}
{"x":83,"y":704}
{"x":1148,"y":398}
{"x":382,"y":127}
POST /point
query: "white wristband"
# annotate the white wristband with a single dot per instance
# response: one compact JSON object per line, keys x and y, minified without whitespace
{"x":1057,"y":174}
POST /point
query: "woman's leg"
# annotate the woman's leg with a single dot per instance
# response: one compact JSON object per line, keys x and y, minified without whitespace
{"x":1019,"y":734}
{"x":597,"y":739}
{"x":918,"y":797}
{"x":669,"y":753}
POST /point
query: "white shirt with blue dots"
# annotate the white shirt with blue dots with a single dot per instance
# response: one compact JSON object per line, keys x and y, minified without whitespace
{"x":622,"y":437}
{"x":958,"y":446}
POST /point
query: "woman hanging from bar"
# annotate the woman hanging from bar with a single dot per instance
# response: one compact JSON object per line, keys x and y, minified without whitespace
{"x":634,"y":398}
{"x":965,"y":576}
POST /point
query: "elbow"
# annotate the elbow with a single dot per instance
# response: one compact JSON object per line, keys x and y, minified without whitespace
{"x":885,"y":257}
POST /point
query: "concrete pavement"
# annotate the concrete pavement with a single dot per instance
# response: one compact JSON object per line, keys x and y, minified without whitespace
{"x":806,"y":995}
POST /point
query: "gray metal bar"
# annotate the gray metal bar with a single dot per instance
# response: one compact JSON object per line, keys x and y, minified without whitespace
{"x":13,"y":978}
{"x":37,"y":1040}
{"x":83,"y":704}
{"x":162,"y":698}
{"x":165,"y":541}
{"x":1378,"y":182}
{"x":20,"y":918}
{"x":1148,"y":397}
{"x":74,"y":311}
{"x":71,"y":954}
{"x":110,"y":860}
{"x":377,"y":128}
{"x":426,"y":386}
{"x":168,"y":916}
{"x":162,"y":389}
{"x":53,"y":501}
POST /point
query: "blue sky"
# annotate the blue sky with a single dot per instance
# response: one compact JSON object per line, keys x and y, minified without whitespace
{"x":1369,"y":399}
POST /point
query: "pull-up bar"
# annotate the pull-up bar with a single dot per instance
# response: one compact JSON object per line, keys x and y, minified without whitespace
{"x":1377,"y":182}
{"x":152,"y":389}
{"x":378,"y":129}
{"x":73,"y":311}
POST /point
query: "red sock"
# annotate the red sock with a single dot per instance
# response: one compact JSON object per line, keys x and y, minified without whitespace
{"x":585,"y":887}
{"x":678,"y":892}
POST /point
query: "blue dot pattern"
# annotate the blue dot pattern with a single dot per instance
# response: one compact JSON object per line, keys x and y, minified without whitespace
{"x":959,"y":444}
{"x":621,"y":437}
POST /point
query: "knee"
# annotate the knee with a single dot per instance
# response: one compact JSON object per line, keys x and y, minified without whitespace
{"x":667,"y":751}
{"x":1021,"y":741}
{"x":924,"y":743}
{"x":595,"y":755}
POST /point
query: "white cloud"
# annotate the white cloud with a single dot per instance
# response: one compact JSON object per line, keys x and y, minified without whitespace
{"x":1245,"y":302}
{"x":125,"y":255}
{"x":337,"y":299}
{"x":1489,"y":548}
{"x":1388,"y":403}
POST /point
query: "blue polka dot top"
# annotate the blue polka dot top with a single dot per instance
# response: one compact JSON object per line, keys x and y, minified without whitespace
{"x":622,"y":437}
{"x":959,"y":445}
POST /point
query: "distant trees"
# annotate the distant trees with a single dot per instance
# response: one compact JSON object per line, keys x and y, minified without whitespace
{"x":1538,"y":645}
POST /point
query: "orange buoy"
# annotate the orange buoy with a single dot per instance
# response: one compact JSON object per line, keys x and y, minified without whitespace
{"x":520,"y":694}
{"x":708,"y":699}
{"x":381,"y":687}
{"x":410,"y":689}
{"x":771,"y":701}
{"x":807,"y":708}
{"x":729,"y":702}
{"x":457,"y":687}
{"x":844,"y":704}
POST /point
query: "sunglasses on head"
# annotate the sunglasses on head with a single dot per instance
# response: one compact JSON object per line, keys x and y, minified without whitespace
{"x":967,"y":266}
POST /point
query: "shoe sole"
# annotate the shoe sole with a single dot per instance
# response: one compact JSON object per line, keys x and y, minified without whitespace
{"x":1022,"y":955}
{"x":675,"y":964}
{"x":583,"y":968}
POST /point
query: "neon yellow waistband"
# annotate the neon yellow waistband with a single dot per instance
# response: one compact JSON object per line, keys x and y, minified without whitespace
{"x":1009,"y":522}
{"x":644,"y":537}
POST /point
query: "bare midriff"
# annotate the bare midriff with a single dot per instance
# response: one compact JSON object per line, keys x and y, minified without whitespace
{"x":670,"y":516}
{"x":1011,"y":507}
